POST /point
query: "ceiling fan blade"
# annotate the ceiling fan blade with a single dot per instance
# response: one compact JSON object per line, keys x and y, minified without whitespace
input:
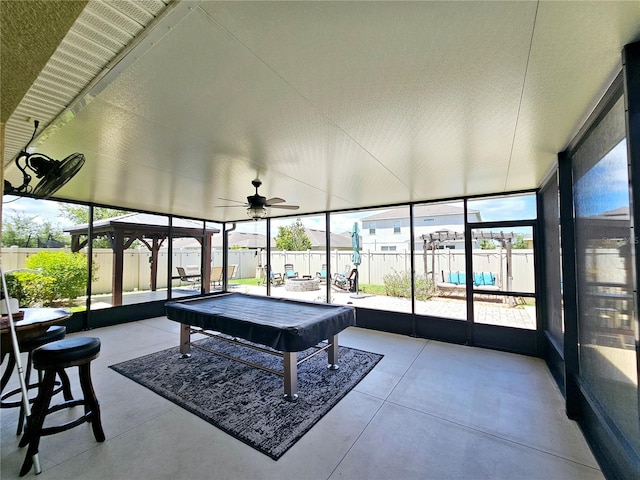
{"x":232,"y":200}
{"x":274,"y":200}
{"x":286,"y":207}
{"x":231,"y":206}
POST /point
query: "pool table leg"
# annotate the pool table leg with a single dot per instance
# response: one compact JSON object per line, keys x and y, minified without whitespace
{"x":333,"y":353}
{"x":185,"y":340}
{"x":290,"y":376}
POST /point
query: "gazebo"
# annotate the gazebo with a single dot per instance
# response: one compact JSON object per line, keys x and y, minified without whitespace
{"x":151,"y":231}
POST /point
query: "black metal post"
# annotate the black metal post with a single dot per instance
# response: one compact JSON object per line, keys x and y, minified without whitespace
{"x":631,"y":72}
{"x":569,"y":290}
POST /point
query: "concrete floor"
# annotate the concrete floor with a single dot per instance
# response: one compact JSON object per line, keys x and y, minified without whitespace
{"x":427,"y":410}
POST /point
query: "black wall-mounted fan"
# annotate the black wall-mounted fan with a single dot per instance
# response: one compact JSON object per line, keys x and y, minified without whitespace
{"x":257,"y":205}
{"x":53,"y":174}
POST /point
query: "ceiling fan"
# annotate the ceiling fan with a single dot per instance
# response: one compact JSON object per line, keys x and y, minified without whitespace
{"x":256,"y":204}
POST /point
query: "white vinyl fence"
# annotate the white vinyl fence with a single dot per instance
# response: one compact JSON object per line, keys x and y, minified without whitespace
{"x":374,"y":266}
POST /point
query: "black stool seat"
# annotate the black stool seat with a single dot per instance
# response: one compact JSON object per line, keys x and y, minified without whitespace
{"x":57,"y":332}
{"x":62,"y":352}
{"x":53,"y":358}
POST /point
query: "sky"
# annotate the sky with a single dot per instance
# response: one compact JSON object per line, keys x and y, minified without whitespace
{"x":605,"y":186}
{"x":41,"y":210}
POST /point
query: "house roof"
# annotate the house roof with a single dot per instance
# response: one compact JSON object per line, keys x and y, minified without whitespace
{"x":144,"y":222}
{"x":257,"y":240}
{"x":338,"y":240}
{"x":242,"y":240}
{"x":429,"y":210}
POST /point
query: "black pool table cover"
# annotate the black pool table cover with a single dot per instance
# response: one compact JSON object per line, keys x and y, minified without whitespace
{"x":282,"y":324}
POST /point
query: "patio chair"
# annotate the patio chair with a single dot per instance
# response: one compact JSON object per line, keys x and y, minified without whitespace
{"x":231,"y":271}
{"x":276,"y":279}
{"x":216,"y":276}
{"x":289,"y":271}
{"x":346,"y":282}
{"x":192,"y":280}
{"x":322,"y":274}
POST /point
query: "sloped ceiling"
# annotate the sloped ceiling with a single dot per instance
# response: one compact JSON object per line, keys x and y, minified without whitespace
{"x":335,"y":105}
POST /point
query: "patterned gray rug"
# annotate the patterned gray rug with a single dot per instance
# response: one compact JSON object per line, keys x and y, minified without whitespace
{"x":246,"y":402}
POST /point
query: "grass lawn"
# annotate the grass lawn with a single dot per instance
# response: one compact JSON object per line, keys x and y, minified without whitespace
{"x":247,"y":281}
{"x":371,"y":289}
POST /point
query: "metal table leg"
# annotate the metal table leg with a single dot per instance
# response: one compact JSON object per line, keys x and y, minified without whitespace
{"x":185,"y":340}
{"x":333,"y":353}
{"x":290,"y":376}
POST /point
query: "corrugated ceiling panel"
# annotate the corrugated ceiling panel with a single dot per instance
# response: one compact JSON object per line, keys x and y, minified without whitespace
{"x":45,"y":95}
{"x":108,"y":42}
{"x":98,"y":35}
{"x":135,"y":10}
{"x":79,"y":54}
{"x":28,"y":108}
{"x":80,"y":64}
{"x":53,"y":86}
{"x":34,"y":98}
{"x":110,"y":13}
{"x":153,"y":6}
{"x":67,"y":71}
{"x":49,"y":80}
{"x":89,"y":45}
{"x":114,"y":33}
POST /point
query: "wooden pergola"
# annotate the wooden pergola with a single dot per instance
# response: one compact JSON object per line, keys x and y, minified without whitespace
{"x":432,"y":241}
{"x":151,"y":231}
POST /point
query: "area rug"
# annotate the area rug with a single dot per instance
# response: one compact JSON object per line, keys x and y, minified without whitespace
{"x":246,"y":402}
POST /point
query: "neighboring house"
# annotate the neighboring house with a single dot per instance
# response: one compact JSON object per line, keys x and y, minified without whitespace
{"x":388,"y":231}
{"x":339,"y":241}
{"x":247,"y":240}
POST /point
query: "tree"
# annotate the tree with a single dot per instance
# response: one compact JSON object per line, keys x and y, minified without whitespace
{"x":23,"y":231}
{"x":487,"y":244}
{"x":520,"y":243}
{"x":79,"y":214}
{"x":293,"y":238}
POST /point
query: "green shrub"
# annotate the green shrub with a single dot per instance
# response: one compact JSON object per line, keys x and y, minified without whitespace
{"x":68,"y":271}
{"x":14,"y":287}
{"x":34,"y":289}
{"x":398,"y":284}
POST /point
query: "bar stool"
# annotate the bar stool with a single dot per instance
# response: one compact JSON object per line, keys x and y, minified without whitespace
{"x":28,"y":345}
{"x":51,"y":358}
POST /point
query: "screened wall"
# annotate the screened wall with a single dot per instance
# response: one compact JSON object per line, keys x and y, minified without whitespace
{"x":607,"y":313}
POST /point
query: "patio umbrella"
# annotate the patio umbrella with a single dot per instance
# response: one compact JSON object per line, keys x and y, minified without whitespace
{"x":355,"y":243}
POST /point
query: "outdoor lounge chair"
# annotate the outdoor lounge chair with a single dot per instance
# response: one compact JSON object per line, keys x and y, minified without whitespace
{"x":322,"y":274}
{"x":276,"y":279}
{"x":231,"y":271}
{"x":216,"y":276}
{"x":346,"y":282}
{"x":192,"y":280}
{"x":289,"y":271}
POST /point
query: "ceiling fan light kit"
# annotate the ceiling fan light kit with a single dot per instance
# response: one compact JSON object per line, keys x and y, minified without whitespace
{"x":257,"y":213}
